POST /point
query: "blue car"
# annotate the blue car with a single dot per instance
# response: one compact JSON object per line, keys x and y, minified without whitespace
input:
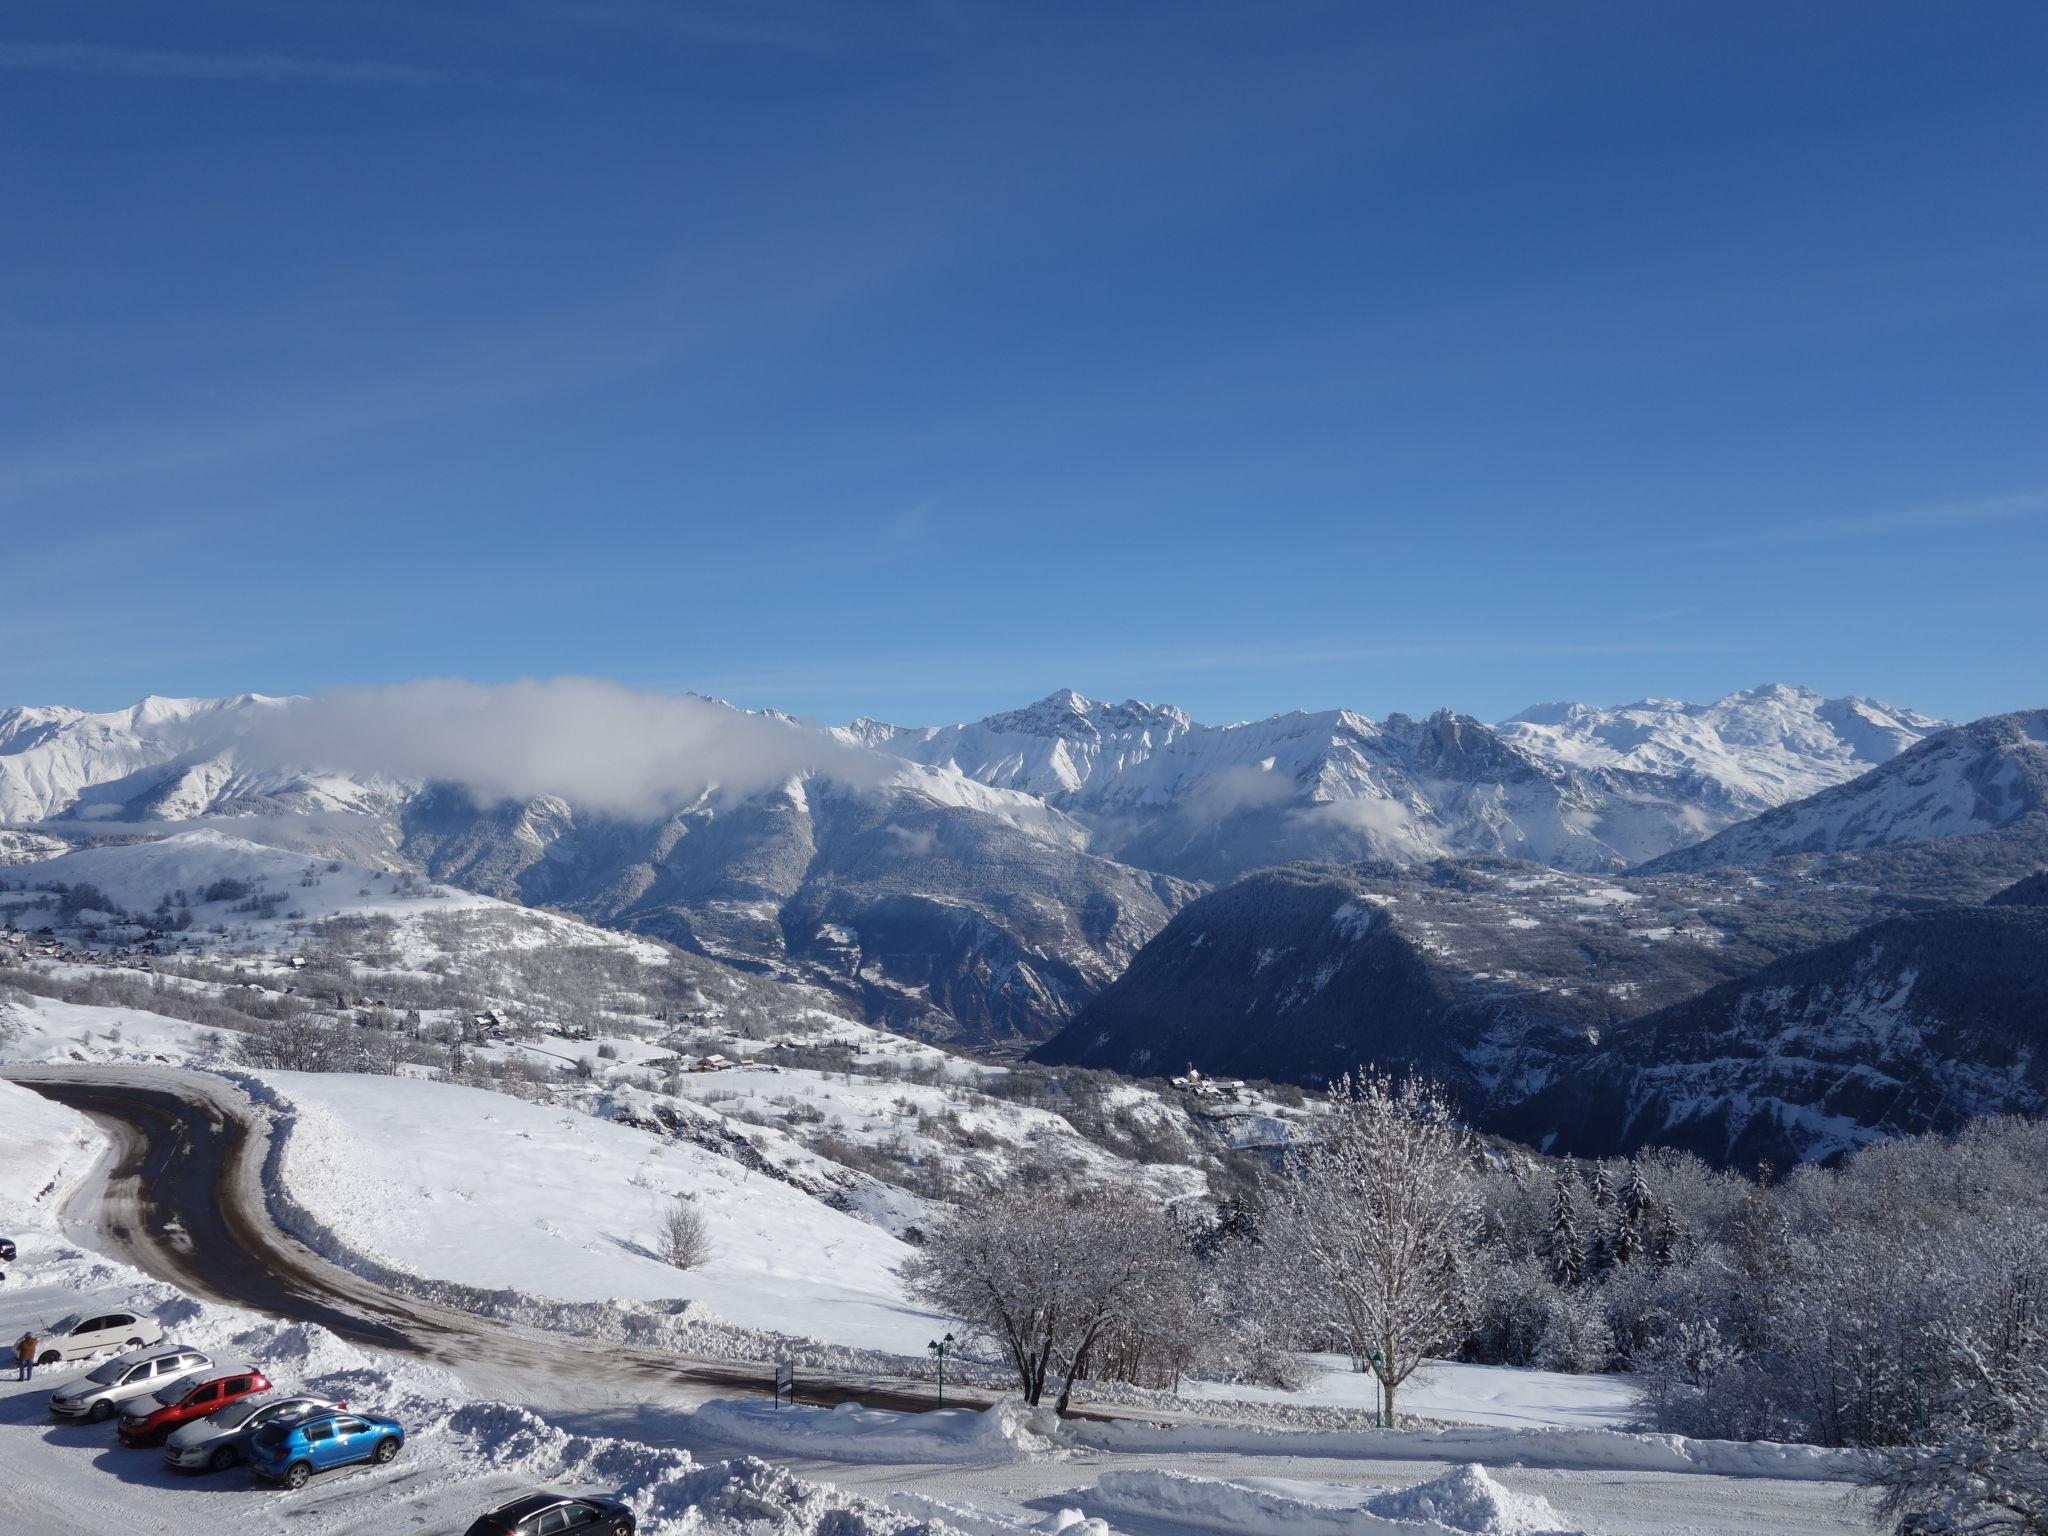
{"x":290,"y":1453}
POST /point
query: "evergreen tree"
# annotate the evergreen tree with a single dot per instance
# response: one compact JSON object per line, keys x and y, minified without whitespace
{"x":1633,"y":1232}
{"x":1600,"y":1250}
{"x":1567,"y":1246}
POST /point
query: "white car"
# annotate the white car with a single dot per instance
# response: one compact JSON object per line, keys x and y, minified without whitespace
{"x":94,"y":1333}
{"x":96,"y":1395}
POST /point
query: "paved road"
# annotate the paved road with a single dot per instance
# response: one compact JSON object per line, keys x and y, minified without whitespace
{"x":180,"y":1198}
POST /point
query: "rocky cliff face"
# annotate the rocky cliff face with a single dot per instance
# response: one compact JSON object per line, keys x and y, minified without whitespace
{"x":1597,"y":1016}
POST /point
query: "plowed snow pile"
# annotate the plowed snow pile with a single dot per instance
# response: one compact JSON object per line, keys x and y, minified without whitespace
{"x":1008,"y":1431}
{"x":1463,"y":1500}
{"x":1466,"y":1499}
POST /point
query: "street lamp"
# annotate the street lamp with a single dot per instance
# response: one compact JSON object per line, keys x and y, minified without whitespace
{"x":938,"y":1348}
{"x":1379,"y":1412}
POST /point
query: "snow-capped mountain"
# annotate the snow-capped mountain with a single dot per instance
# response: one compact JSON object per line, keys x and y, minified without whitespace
{"x":163,"y":759}
{"x":1748,"y":752}
{"x":1984,"y":777}
{"x":984,"y":879}
{"x":1570,"y":785}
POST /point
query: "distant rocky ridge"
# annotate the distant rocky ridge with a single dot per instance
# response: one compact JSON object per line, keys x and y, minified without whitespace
{"x":1598,"y":1017}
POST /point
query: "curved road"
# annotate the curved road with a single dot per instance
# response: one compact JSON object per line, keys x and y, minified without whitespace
{"x":180,"y":1198}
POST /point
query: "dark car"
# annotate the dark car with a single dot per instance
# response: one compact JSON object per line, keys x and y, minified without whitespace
{"x":547,"y":1514}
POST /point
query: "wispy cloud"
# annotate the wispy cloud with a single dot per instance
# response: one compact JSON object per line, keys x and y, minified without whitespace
{"x":164,"y":64}
{"x":1929,"y":515}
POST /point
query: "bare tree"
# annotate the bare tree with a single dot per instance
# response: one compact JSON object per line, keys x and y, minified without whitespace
{"x":1052,"y":1274}
{"x":685,"y":1237}
{"x":1382,"y":1214}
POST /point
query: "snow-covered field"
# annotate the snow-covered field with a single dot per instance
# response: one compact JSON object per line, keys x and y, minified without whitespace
{"x":1455,"y":1392}
{"x":404,"y":1177}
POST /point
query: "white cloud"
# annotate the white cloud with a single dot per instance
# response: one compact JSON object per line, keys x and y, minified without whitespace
{"x":601,"y":745}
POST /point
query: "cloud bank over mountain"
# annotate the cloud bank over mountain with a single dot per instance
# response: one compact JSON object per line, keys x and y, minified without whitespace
{"x":619,"y":750}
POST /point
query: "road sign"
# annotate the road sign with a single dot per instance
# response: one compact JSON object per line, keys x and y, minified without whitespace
{"x":785,"y":1382}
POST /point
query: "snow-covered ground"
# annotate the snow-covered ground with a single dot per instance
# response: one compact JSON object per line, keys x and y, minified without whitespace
{"x":400,"y":1176}
{"x":137,"y":876}
{"x":1454,"y":1392}
{"x":994,"y":1473}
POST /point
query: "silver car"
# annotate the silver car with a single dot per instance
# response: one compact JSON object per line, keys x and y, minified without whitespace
{"x":96,"y":1395}
{"x":214,"y":1443}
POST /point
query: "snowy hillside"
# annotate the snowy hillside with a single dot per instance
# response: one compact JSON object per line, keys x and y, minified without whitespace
{"x":1759,"y":748}
{"x":444,"y":1183}
{"x":1972,"y":779}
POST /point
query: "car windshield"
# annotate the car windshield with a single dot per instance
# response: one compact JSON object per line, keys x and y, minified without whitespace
{"x":175,"y":1391}
{"x":272,"y":1434}
{"x":66,"y":1324}
{"x":236,"y":1416}
{"x":109,"y":1373}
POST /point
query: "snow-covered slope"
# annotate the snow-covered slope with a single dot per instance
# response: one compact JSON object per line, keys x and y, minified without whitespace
{"x":447,"y":1183}
{"x":163,"y":759}
{"x":1984,"y":777}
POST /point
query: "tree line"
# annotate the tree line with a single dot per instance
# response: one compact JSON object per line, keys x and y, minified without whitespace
{"x":1897,"y":1302}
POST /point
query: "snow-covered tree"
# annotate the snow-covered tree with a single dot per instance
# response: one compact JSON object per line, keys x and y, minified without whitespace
{"x":1050,"y":1275}
{"x":1632,"y":1227}
{"x":1567,"y":1248}
{"x":1987,"y":1474}
{"x":1381,"y":1213}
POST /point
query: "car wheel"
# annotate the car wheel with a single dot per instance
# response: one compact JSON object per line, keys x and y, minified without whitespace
{"x":386,"y":1449}
{"x":49,"y":1357}
{"x":222,"y":1459}
{"x":297,"y":1475}
{"x":101,"y":1411}
{"x":133,"y":1344}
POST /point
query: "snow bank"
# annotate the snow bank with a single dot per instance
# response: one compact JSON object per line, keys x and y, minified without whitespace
{"x":1582,"y":1449}
{"x":1464,"y":1500}
{"x":45,"y":1149}
{"x":1008,"y":1431}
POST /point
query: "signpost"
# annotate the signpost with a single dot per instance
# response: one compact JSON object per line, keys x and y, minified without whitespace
{"x":785,"y":1383}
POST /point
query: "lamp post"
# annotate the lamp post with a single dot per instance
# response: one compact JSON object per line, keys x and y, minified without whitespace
{"x":1379,"y":1413}
{"x":938,"y":1348}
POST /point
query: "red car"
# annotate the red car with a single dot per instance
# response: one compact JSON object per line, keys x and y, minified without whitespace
{"x":147,"y":1420}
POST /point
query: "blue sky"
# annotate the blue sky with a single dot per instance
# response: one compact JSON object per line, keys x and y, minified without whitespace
{"x":916,"y":359}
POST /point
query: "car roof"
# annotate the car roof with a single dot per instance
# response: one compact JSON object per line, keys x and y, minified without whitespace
{"x":531,"y":1504}
{"x":158,"y":1351}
